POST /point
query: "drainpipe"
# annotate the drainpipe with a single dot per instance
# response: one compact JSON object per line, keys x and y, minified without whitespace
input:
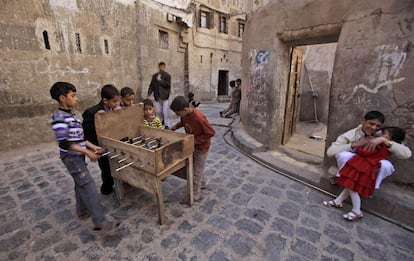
{"x":211,"y":76}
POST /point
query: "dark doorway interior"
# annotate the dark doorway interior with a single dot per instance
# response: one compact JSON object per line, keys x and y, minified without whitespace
{"x":223,"y":83}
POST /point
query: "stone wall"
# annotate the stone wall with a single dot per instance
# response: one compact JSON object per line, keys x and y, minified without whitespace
{"x":372,"y":69}
{"x":90,"y":43}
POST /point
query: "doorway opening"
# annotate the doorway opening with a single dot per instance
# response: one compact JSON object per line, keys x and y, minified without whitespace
{"x":307,"y":98}
{"x":223,"y":83}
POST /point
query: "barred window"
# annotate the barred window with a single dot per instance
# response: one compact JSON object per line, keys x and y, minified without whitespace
{"x":163,"y":39}
{"x":223,"y":24}
{"x":241,"y":29}
{"x":78,"y":43}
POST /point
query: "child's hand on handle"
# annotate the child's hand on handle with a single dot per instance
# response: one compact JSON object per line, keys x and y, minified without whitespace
{"x":92,"y":155}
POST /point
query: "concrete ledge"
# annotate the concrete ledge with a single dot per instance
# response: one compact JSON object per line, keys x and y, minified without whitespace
{"x":392,"y":201}
{"x":243,"y":140}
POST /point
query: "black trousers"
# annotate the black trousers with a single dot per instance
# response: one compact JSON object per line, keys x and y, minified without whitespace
{"x":107,"y":180}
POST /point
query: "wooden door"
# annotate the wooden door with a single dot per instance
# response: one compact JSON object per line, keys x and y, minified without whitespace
{"x":292,"y":95}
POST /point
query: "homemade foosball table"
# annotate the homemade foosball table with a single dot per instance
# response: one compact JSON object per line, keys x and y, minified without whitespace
{"x":142,"y":156}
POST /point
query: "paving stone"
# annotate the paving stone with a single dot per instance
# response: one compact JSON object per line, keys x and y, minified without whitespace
{"x":7,"y":203}
{"x":40,"y":213}
{"x":308,"y":234}
{"x":42,"y":227}
{"x":10,"y":226}
{"x":310,"y":222}
{"x":258,"y":214}
{"x":271,"y":192}
{"x":373,"y":252}
{"x":72,"y":226}
{"x":231,"y":211}
{"x":284,"y":226}
{"x":147,"y":235}
{"x":177,"y":213}
{"x":305,"y":249}
{"x":240,"y":199}
{"x":92,"y":253}
{"x":27,"y":194}
{"x":219,"y":222}
{"x":341,"y":252}
{"x":249,"y":188}
{"x":275,"y":244}
{"x":4,"y":189}
{"x":171,"y":242}
{"x":205,"y":240}
{"x":46,"y":242}
{"x":86,"y":236}
{"x":61,"y":203}
{"x":199,"y":217}
{"x":296,"y":196}
{"x":328,"y":258}
{"x":25,"y":186}
{"x":404,"y":241}
{"x":112,"y":240}
{"x":234,"y":183}
{"x":18,"y":255}
{"x":256,"y":180}
{"x":219,"y":256}
{"x":185,"y":226}
{"x":63,"y":216}
{"x":249,"y":226}
{"x":222,"y":194}
{"x":66,"y":248}
{"x":277,"y":183}
{"x":153,"y":257}
{"x":365,"y":234}
{"x":240,"y":244}
{"x":337,"y":234}
{"x":313,"y":210}
{"x":208,"y":206}
{"x":400,"y":256}
{"x":289,"y":210}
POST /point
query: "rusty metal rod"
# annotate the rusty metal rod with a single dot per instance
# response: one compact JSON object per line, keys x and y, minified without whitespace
{"x":137,"y":138}
{"x":125,"y":166}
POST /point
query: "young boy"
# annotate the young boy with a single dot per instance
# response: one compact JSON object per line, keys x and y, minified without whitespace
{"x":196,"y":123}
{"x":127,"y":97}
{"x":109,"y":101}
{"x":150,"y":120}
{"x":191,"y":102}
{"x":73,"y":148}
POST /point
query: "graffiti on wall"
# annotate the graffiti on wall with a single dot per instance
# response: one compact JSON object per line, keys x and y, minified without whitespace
{"x":257,"y":101}
{"x":391,"y":59}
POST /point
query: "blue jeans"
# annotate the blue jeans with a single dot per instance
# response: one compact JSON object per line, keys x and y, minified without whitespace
{"x":87,"y":198}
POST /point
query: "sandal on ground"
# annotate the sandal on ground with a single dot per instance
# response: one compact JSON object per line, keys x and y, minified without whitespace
{"x":351,"y":216}
{"x":332,"y":203}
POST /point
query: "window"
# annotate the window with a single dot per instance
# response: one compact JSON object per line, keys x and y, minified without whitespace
{"x":241,"y":29}
{"x":78,"y":43}
{"x":206,"y":19}
{"x":223,"y":24}
{"x":163,"y":39}
{"x":106,"y":46}
{"x":46,"y":40}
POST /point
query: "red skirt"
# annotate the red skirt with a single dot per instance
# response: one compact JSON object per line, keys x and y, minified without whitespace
{"x":359,"y":175}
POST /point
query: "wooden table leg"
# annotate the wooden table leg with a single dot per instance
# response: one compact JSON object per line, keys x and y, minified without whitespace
{"x":189,"y":171}
{"x":119,"y":189}
{"x":160,"y":199}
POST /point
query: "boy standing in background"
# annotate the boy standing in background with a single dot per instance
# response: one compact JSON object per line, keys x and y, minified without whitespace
{"x":73,"y":148}
{"x":109,"y":101}
{"x":196,"y":123}
{"x":150,"y":120}
{"x":127,"y":97}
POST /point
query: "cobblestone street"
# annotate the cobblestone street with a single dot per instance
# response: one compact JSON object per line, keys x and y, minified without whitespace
{"x":248,"y":213}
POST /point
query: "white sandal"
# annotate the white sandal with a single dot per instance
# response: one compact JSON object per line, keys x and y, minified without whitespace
{"x":352,"y":216}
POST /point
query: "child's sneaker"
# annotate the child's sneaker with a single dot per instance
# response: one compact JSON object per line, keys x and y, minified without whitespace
{"x":107,"y":226}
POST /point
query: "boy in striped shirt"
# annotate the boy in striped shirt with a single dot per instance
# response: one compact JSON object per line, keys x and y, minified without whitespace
{"x":73,"y":148}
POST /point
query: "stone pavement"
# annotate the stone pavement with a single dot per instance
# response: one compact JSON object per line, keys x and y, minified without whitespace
{"x":248,"y":213}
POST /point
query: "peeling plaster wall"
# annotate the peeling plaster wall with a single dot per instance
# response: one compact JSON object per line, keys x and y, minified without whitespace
{"x":28,"y":69}
{"x":372,"y":69}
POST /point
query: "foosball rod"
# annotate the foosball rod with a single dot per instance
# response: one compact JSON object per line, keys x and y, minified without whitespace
{"x":125,"y":166}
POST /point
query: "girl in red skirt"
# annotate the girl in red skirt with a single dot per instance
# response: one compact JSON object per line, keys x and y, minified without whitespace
{"x":358,"y":175}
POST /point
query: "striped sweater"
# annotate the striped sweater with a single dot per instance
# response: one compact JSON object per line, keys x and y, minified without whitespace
{"x":68,"y":130}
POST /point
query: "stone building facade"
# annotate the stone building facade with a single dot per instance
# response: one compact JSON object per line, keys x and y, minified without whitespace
{"x":91,"y":43}
{"x":87,"y":43}
{"x":372,"y":69}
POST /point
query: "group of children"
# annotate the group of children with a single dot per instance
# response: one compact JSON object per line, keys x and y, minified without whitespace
{"x":77,"y":139}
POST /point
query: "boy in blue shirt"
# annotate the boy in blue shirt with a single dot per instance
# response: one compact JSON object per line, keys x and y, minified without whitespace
{"x":73,"y":148}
